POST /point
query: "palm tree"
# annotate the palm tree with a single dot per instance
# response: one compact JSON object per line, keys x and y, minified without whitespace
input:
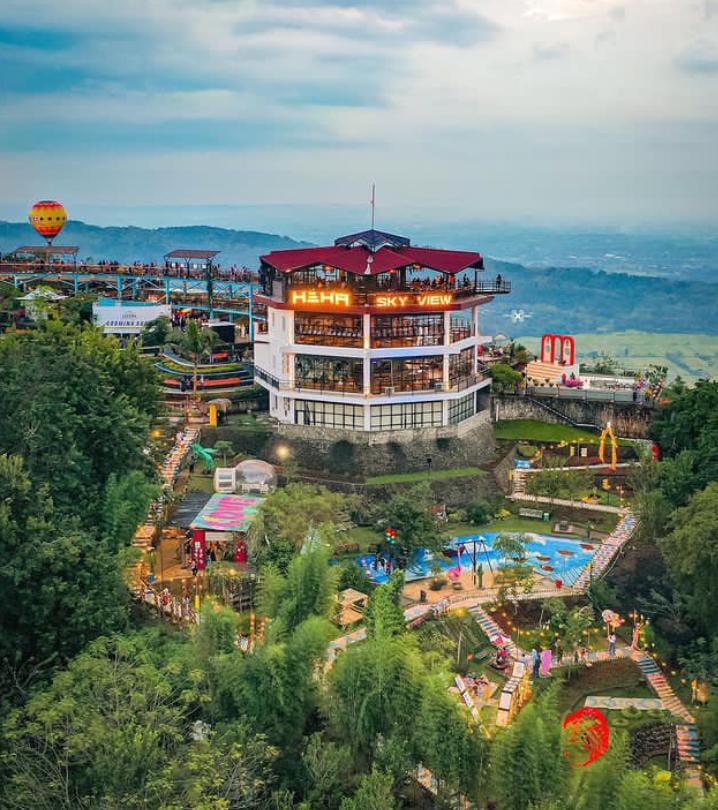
{"x":196,"y":343}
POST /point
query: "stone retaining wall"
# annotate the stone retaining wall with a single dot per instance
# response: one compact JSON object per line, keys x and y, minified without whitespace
{"x":629,"y":420}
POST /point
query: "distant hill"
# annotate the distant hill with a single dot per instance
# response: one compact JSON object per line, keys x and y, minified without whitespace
{"x":558,"y":299}
{"x":129,"y":244}
{"x":570,"y":300}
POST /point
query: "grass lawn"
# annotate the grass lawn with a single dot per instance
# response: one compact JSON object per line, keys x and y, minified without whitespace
{"x":620,"y":678}
{"x":201,"y":483}
{"x":512,"y":524}
{"x":364,"y":536}
{"x":534,"y":431}
{"x":434,"y":475}
{"x":245,"y":422}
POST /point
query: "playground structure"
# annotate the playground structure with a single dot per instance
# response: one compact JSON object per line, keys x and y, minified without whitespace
{"x":206,"y":455}
{"x":608,"y":433}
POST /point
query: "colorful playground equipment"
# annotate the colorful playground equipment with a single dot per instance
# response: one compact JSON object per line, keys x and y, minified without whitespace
{"x":608,"y":433}
{"x":206,"y":454}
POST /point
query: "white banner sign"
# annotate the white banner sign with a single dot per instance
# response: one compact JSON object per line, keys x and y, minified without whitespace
{"x":127,"y":319}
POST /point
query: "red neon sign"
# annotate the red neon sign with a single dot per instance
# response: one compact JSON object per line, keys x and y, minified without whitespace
{"x":333,"y":298}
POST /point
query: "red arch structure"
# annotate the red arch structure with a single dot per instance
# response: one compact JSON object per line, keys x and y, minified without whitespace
{"x":563,"y":343}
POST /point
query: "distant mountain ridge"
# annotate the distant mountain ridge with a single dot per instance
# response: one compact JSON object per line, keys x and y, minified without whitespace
{"x":130,"y":244}
{"x":550,"y":299}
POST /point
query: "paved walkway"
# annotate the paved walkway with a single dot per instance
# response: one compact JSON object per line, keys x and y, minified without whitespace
{"x":617,"y":704}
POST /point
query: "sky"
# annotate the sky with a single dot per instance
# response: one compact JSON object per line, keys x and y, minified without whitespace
{"x":596,"y":111}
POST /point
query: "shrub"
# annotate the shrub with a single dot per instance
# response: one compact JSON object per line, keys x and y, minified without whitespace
{"x":479,"y":512}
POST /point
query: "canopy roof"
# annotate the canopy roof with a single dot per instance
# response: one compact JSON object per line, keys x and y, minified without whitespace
{"x":363,"y":261}
{"x":227,"y":513}
{"x":47,"y":250}
{"x":191,"y":254}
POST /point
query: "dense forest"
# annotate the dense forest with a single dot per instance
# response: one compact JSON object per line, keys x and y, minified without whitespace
{"x":104,"y":706}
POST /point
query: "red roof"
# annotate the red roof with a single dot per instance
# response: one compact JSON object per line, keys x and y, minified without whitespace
{"x":355,"y":259}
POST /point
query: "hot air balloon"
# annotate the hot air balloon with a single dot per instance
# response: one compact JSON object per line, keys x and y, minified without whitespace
{"x":48,"y":218}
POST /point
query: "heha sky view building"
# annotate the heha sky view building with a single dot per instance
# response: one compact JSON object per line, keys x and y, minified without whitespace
{"x":358,"y":405}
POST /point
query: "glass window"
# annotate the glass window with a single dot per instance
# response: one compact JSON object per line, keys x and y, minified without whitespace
{"x":407,"y":330}
{"x":462,"y":325}
{"x":461,"y":366}
{"x":407,"y":415}
{"x":328,"y":330}
{"x":329,"y":414}
{"x":460,"y":409}
{"x":328,"y":373}
{"x":407,"y":374}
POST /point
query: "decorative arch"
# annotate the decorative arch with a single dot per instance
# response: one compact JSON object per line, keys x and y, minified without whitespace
{"x":558,"y":349}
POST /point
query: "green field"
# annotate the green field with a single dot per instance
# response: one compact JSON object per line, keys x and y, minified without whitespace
{"x":531,"y":430}
{"x":690,"y":356}
{"x":435,"y":475}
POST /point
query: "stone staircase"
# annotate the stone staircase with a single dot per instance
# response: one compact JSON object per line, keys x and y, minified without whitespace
{"x":491,"y":630}
{"x":688,"y":741}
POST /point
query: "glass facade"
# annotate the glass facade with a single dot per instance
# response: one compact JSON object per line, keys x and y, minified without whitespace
{"x":328,"y":373}
{"x":406,"y":374}
{"x":328,"y":330}
{"x":329,"y":414}
{"x":461,"y":366}
{"x":461,"y":325}
{"x":407,"y":330}
{"x":460,"y":409}
{"x":407,"y":415}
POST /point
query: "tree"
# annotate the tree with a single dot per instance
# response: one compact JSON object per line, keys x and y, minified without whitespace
{"x":196,"y":343}
{"x":375,"y":792}
{"x":157,"y":331}
{"x":448,"y":745}
{"x":408,"y":512}
{"x":384,"y":616}
{"x":527,"y":762}
{"x":505,"y":378}
{"x":98,"y":732}
{"x":225,"y":448}
{"x":690,"y":553}
{"x":479,"y":512}
{"x":127,"y":499}
{"x":374,"y":688}
{"x":77,"y":408}
{"x":328,"y":767}
{"x":60,"y":587}
{"x":286,"y":517}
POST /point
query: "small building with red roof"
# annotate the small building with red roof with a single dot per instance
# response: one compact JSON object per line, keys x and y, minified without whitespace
{"x":373,"y":335}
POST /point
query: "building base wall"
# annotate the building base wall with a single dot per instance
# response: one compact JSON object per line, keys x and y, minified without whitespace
{"x":359,"y":454}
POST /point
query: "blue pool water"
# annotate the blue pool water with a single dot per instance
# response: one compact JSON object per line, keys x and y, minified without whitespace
{"x":419,"y":566}
{"x":566,"y":567}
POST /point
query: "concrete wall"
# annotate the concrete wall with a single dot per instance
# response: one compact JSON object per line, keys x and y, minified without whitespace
{"x":356,"y":454}
{"x":628,"y":420}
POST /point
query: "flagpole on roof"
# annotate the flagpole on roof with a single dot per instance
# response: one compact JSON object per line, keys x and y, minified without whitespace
{"x":373,"y":203}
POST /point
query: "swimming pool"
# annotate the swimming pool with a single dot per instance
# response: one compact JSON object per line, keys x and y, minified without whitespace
{"x":552,"y":557}
{"x":419,"y":567}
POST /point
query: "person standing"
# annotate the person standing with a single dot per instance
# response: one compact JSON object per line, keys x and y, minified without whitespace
{"x":536,"y":662}
{"x":612,"y":643}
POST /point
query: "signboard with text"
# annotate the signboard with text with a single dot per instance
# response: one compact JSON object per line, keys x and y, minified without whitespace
{"x":343,"y":299}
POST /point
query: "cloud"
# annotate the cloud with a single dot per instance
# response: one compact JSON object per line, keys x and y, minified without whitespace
{"x":419,"y":94}
{"x":547,"y":53}
{"x":700,"y":57}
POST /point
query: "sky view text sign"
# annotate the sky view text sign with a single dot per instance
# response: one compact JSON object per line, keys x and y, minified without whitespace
{"x":343,"y":299}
